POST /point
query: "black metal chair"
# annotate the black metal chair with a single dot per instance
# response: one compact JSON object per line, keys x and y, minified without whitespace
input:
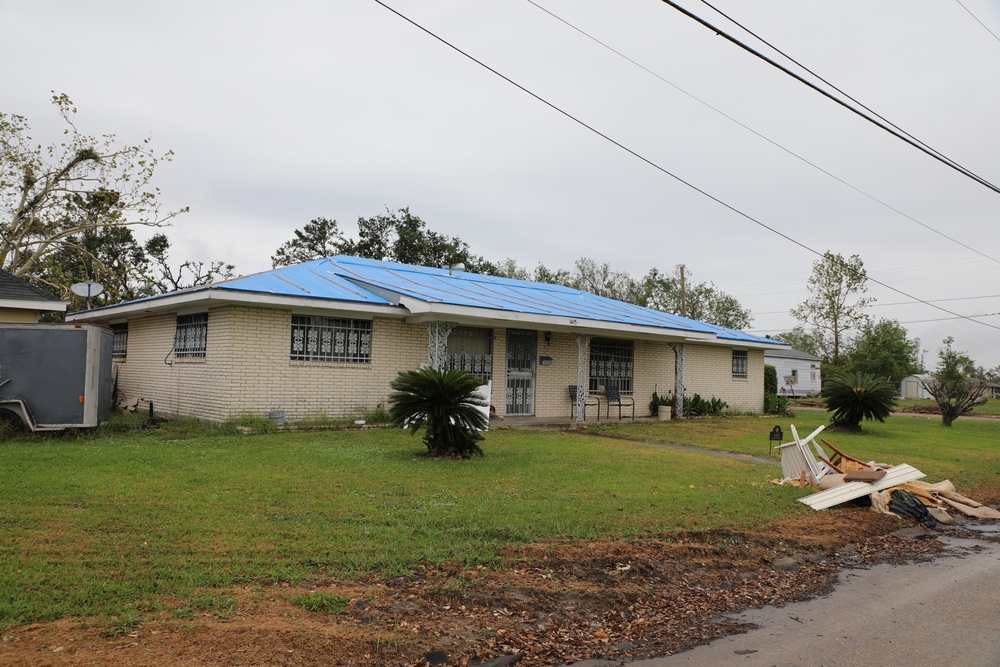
{"x":572,"y":408}
{"x":614,"y":397}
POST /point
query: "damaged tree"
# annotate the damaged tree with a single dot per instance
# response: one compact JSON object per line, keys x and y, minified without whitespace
{"x":955,"y":392}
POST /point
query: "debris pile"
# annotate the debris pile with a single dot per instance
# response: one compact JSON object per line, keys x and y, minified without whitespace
{"x":892,"y":489}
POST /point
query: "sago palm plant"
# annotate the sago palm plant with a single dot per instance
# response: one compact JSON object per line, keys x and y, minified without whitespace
{"x":443,"y":403}
{"x":852,"y":397}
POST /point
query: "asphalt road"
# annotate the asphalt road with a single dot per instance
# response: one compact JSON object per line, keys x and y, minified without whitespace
{"x":944,"y":612}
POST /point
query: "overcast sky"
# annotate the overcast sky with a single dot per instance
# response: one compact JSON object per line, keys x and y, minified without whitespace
{"x":282,"y":112}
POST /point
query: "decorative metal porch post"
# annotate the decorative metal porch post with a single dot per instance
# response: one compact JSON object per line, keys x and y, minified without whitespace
{"x":679,"y":380}
{"x":438,"y":343}
{"x":582,"y":348}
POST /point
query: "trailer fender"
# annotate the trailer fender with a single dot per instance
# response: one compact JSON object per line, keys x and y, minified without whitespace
{"x":17,"y":410}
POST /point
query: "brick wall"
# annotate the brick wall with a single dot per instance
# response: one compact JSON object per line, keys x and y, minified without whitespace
{"x":247,"y":370}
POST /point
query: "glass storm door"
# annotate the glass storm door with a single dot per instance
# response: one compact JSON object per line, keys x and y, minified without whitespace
{"x":521,"y":346}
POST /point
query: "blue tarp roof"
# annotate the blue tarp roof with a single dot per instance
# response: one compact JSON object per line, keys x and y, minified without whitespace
{"x":357,"y":280}
{"x":346,"y":278}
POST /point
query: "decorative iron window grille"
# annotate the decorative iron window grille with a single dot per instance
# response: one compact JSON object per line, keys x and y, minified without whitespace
{"x":740,"y":363}
{"x":191,"y":335}
{"x":471,"y":349}
{"x":119,"y":341}
{"x":611,"y":364}
{"x":316,"y":338}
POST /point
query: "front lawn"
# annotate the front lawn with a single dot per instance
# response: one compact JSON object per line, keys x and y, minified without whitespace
{"x":101,"y":524}
{"x":90,"y":525}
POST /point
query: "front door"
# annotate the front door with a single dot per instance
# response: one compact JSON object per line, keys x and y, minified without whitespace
{"x":521,"y":347}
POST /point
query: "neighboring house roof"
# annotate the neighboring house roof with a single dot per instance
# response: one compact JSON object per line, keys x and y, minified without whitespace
{"x":791,"y":353}
{"x":16,"y":293}
{"x":427,"y":293}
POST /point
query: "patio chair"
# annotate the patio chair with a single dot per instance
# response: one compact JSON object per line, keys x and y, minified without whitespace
{"x":799,"y":461}
{"x":614,"y":397}
{"x":586,"y":402}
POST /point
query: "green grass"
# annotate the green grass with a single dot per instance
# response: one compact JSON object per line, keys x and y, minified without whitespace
{"x":321,"y":602}
{"x":122,"y":519}
{"x":966,"y":453}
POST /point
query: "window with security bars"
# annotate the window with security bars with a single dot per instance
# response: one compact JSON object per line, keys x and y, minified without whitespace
{"x":471,"y":349}
{"x":191,"y":335}
{"x":611,"y":365}
{"x":317,"y":338}
{"x":119,"y":341}
{"x":740,"y":363}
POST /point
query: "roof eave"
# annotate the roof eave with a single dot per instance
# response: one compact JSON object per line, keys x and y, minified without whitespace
{"x":423,"y":311}
{"x":211,"y":297}
{"x":28,"y":304}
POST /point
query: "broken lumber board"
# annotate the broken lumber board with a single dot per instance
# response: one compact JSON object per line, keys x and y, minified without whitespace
{"x":843,"y":493}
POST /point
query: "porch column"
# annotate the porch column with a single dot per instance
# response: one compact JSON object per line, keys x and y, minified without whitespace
{"x":678,"y":380}
{"x":582,"y":349}
{"x":437,"y":348}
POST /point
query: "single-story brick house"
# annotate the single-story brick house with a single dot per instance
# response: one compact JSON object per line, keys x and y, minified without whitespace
{"x":327,"y":337}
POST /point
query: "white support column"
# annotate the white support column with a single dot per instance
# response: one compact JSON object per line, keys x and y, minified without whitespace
{"x":582,"y":354}
{"x":678,"y":380}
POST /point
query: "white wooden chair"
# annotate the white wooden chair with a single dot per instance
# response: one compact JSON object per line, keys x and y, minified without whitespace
{"x":800,"y":462}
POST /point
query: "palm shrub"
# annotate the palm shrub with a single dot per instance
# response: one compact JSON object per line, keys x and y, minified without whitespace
{"x":443,"y":403}
{"x":853,"y":396}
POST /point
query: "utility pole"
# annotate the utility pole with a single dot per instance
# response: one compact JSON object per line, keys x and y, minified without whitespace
{"x":683,"y":292}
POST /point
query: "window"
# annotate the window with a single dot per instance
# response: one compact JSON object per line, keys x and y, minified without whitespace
{"x":739,"y":363}
{"x":191,"y":335}
{"x":316,"y":338}
{"x":119,"y":344}
{"x":812,"y":376}
{"x":611,"y":365}
{"x":471,"y":349}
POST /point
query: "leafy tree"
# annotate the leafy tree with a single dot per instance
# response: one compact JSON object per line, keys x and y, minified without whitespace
{"x":443,"y":403}
{"x":953,"y":385}
{"x":54,"y":197}
{"x":699,"y":301}
{"x":400,"y":236}
{"x":395,"y":236}
{"x":882,"y":349}
{"x":801,"y":340}
{"x":770,"y":379}
{"x":110,"y":256}
{"x":599,"y":279}
{"x":835,"y":305}
{"x":702,"y":301}
{"x":853,"y":396}
{"x":319,"y":238}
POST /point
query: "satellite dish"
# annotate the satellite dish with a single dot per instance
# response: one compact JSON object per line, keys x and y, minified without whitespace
{"x":87,"y":289}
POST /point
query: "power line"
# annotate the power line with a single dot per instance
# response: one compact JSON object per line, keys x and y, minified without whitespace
{"x":978,"y":21}
{"x":648,"y":161}
{"x":758,"y":134}
{"x":885,"y":126}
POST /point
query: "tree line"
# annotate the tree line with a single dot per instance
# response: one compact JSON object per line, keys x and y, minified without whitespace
{"x":69,"y":211}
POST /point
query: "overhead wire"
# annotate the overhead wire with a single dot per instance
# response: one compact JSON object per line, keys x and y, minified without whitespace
{"x":650,"y":162}
{"x":883,"y":125}
{"x":986,"y":27}
{"x":765,"y":138}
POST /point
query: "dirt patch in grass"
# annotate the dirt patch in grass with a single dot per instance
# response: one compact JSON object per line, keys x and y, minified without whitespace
{"x":557,"y":602}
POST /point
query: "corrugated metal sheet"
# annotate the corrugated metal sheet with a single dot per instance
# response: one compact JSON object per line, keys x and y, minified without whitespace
{"x":357,"y":280}
{"x":317,"y":279}
{"x":843,"y":493}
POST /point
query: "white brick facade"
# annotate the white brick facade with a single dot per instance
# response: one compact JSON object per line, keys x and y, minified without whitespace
{"x":247,"y":369}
